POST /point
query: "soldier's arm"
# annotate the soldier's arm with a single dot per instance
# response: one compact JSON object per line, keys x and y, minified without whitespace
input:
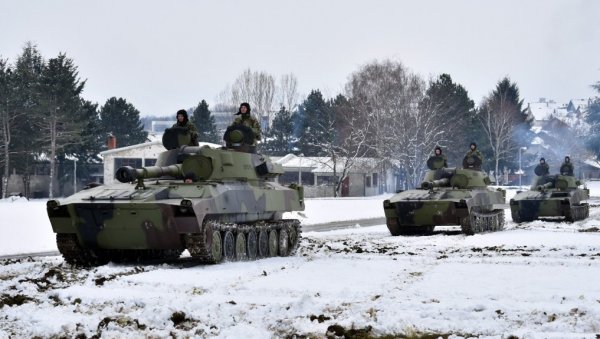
{"x":256,"y":128}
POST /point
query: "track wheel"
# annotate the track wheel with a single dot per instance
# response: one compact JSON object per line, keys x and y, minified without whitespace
{"x":273,"y":240}
{"x":216,"y":247}
{"x":251,"y":245}
{"x":263,"y":244}
{"x":283,"y":242}
{"x":293,"y":235}
{"x":228,"y":246}
{"x":240,"y":247}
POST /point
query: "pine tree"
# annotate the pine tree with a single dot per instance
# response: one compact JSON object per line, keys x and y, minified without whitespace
{"x":593,"y":119}
{"x":122,"y":119}
{"x":280,"y":139}
{"x":205,"y":123}
{"x":455,"y":110}
{"x":315,"y":120}
{"x":58,"y":118}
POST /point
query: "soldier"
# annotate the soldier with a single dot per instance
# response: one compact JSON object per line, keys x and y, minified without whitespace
{"x":567,"y":167}
{"x":474,"y":152}
{"x":182,"y":121}
{"x":544,"y":168}
{"x":248,"y":120}
{"x":437,"y":152}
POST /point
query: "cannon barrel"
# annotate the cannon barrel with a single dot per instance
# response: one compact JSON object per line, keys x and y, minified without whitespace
{"x":545,"y":186}
{"x":436,"y":183}
{"x":129,"y":174}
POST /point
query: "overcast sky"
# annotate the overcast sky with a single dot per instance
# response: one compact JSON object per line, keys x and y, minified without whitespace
{"x":166,"y":55}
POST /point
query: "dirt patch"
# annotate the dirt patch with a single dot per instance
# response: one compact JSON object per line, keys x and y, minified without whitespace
{"x":14,"y":300}
{"x":321,"y":318}
{"x":101,"y":280}
{"x":182,"y":322}
{"x":591,"y":229}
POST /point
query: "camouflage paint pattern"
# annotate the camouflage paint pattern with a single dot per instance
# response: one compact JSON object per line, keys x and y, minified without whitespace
{"x":233,"y":187}
{"x":549,"y":196}
{"x":446,"y":197}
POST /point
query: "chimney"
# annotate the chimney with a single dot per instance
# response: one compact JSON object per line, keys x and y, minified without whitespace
{"x":111,"y":141}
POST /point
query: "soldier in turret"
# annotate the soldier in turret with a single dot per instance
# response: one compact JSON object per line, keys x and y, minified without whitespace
{"x":544,"y":168}
{"x":184,"y":122}
{"x":437,"y":152}
{"x":474,"y":152}
{"x":567,"y":167}
{"x":248,"y":120}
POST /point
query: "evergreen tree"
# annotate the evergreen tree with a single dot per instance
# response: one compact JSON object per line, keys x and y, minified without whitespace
{"x":280,"y":139}
{"x":59,"y":120}
{"x":505,"y":123}
{"x":593,"y":119}
{"x":205,"y":124}
{"x":93,"y":137}
{"x":315,"y":122}
{"x":27,"y":103}
{"x":122,"y":119}
{"x":455,"y":110}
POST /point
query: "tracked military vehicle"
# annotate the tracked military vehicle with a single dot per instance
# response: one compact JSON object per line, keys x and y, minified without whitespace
{"x":218,"y":203}
{"x":447,"y":196}
{"x":551,"y":196}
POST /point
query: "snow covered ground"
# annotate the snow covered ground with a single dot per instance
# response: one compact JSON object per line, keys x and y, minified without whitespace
{"x":533,"y":280}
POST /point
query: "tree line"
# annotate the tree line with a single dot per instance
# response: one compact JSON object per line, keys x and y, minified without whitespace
{"x":386,"y":112}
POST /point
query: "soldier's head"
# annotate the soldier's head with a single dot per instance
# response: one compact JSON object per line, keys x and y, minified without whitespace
{"x":542,"y":161}
{"x":437,"y":150}
{"x":182,"y":116}
{"x":244,"y":109}
{"x":473,"y":146}
{"x":567,"y":159}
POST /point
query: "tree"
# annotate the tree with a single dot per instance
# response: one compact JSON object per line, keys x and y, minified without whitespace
{"x":205,"y":123}
{"x":280,"y":139}
{"x":122,"y":119}
{"x":288,"y":91}
{"x":59,"y":120}
{"x":506,"y":125}
{"x":313,"y":123}
{"x":453,"y":110}
{"x":593,"y":119}
{"x":7,"y":119}
{"x":386,"y":97}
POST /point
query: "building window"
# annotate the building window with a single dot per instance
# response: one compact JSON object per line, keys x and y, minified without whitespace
{"x":149,"y":162}
{"x":326,"y":180}
{"x":374,"y":179}
{"x":368,"y":181}
{"x":133,"y":162}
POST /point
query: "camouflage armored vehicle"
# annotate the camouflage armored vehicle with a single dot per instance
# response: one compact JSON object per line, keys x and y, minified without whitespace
{"x":551,"y":196}
{"x":447,"y":196}
{"x":218,"y":203}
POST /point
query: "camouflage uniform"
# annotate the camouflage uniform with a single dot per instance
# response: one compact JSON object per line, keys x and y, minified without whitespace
{"x":567,"y":167}
{"x":442,"y":155}
{"x":545,"y":168}
{"x":246,"y":119}
{"x":188,"y":125}
{"x":474,"y":153}
{"x":192,"y":130}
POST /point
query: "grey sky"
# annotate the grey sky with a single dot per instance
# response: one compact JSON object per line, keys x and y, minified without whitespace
{"x":165,"y":55}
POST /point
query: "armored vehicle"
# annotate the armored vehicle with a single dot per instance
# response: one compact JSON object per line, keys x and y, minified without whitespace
{"x":218,"y":203}
{"x":447,"y":196}
{"x":551,"y":196}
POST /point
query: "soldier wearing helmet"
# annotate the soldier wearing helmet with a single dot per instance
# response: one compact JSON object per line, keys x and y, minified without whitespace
{"x":544,"y":168}
{"x":437,"y":152}
{"x":184,"y":122}
{"x":248,"y":120}
{"x":567,"y":167}
{"x":474,"y":152}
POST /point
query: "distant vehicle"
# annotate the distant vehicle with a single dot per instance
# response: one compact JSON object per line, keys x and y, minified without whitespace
{"x":447,"y":196}
{"x":218,"y":203}
{"x":551,"y":196}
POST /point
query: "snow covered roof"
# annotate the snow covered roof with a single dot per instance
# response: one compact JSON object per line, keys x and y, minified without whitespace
{"x":321,"y":164}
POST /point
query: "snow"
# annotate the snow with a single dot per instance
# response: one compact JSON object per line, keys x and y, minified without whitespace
{"x":533,"y":280}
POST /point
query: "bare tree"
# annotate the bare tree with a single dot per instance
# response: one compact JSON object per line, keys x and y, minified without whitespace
{"x":387,"y":96}
{"x":288,"y":91}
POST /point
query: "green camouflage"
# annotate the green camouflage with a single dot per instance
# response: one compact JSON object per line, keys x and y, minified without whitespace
{"x":235,"y":191}
{"x":551,"y":196}
{"x":447,"y":196}
{"x":251,"y":122}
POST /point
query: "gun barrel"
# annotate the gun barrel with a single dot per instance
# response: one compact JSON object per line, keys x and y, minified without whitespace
{"x":436,"y":183}
{"x":129,"y":174}
{"x":545,"y":186}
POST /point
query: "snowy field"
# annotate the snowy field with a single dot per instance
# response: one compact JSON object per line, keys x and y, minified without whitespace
{"x":534,"y":280}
